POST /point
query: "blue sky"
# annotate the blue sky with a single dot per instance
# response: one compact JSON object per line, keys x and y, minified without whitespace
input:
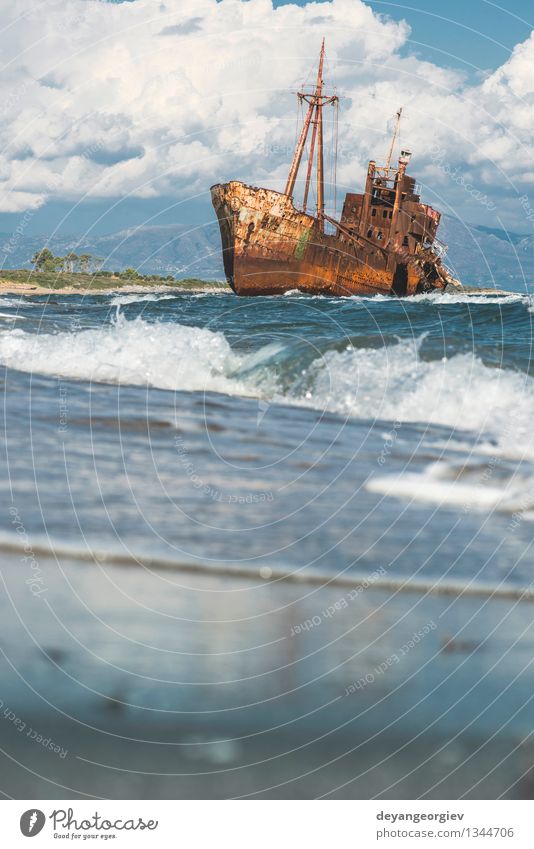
{"x":123,"y":141}
{"x":470,"y":35}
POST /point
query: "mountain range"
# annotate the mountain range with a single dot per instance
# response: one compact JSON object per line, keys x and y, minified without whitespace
{"x":477,"y":255}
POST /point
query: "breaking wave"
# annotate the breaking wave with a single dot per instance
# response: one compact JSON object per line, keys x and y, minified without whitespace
{"x":393,"y":383}
{"x":167,"y":356}
{"x":137,"y":298}
{"x":388,"y":383}
{"x":440,"y":299}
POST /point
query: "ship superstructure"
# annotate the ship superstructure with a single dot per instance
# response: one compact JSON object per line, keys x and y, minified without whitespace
{"x":384,"y":243}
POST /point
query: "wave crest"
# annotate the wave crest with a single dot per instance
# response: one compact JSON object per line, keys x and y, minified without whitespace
{"x":391,"y":382}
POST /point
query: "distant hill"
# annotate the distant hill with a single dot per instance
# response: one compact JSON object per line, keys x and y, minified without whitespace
{"x":178,"y":249}
{"x":484,"y":256}
{"x":478,"y":255}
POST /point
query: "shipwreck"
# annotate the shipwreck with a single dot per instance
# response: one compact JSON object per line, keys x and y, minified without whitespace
{"x":385,"y":241}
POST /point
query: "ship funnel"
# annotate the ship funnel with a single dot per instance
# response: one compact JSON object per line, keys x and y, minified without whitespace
{"x":405,"y":157}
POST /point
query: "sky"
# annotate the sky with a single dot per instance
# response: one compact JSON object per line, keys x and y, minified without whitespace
{"x":470,"y":35}
{"x":116,"y":114}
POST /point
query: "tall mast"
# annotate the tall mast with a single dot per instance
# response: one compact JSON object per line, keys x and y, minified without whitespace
{"x":310,"y":165}
{"x":315,"y":102}
{"x":320,"y":166}
{"x":293,"y":171}
{"x":395,"y":132}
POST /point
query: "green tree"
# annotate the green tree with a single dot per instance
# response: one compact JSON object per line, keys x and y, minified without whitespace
{"x":84,"y":262}
{"x":70,"y":261}
{"x":130,"y":274}
{"x":42,"y":258}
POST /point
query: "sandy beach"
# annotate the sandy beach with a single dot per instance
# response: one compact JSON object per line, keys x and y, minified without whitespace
{"x":11,"y":287}
{"x":387,"y":706}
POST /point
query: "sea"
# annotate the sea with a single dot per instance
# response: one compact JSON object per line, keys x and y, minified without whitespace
{"x":267,"y":547}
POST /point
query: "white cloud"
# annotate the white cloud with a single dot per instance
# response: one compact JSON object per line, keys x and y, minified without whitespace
{"x":147,"y":98}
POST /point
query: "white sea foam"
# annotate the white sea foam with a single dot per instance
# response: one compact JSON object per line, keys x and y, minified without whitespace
{"x":11,"y":302}
{"x":393,"y":383}
{"x":472,"y":300}
{"x":442,"y":483}
{"x":137,"y":298}
{"x":439,"y":299}
{"x":167,"y":356}
{"x":389,"y":383}
{"x":435,"y":298}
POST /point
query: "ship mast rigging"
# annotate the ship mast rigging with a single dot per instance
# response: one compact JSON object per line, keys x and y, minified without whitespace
{"x":384,"y":242}
{"x":314,"y":116}
{"x":393,"y":140}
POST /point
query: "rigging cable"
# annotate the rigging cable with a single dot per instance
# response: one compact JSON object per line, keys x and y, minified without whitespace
{"x":336,"y":136}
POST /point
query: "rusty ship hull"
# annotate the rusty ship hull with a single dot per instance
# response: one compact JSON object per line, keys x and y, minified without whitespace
{"x":269,"y":247}
{"x":384,"y":243}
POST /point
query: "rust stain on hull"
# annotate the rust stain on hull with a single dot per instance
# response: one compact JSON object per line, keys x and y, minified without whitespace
{"x":384,"y":243}
{"x":269,"y":248}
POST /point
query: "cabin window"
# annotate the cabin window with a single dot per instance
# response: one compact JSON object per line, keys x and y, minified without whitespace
{"x":370,"y":232}
{"x":390,"y":213}
{"x":405,"y":242}
{"x":379,"y":235}
{"x":373,"y":211}
{"x":385,"y":214}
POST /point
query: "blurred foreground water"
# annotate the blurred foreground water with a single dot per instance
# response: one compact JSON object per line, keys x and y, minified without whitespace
{"x":273,"y":547}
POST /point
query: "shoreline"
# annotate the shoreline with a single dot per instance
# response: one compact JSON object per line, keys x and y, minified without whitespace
{"x":27,"y":289}
{"x":10,"y":287}
{"x":97,"y":719}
